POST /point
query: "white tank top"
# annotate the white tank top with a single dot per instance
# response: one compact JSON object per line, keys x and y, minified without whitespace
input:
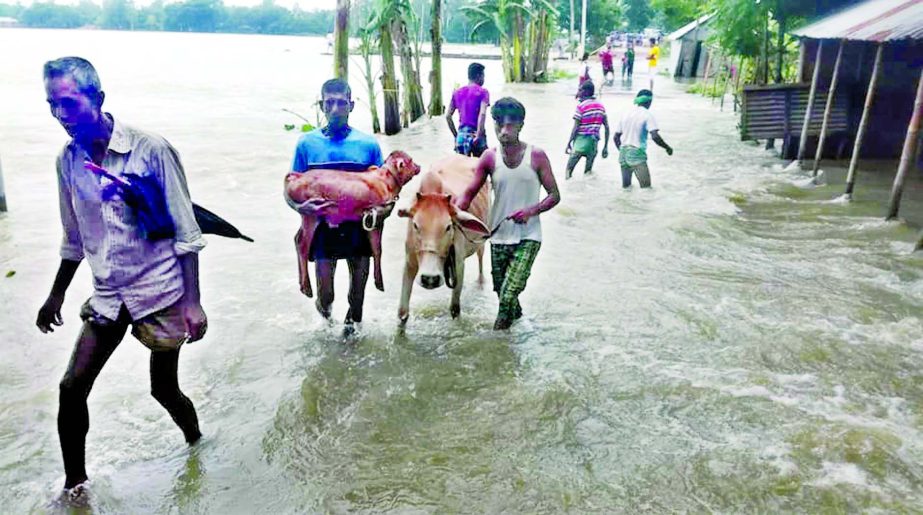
{"x":514,"y":189}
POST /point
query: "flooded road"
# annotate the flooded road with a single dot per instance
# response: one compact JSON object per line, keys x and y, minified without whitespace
{"x":732,"y":340}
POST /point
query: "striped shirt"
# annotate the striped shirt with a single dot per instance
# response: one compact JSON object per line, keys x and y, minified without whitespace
{"x":591,"y":114}
{"x":127,"y":269}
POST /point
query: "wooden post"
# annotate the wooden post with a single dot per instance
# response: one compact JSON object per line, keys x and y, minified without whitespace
{"x":2,"y":193}
{"x":721,"y":61}
{"x":919,"y":245}
{"x":831,"y":93}
{"x":740,"y":72}
{"x":707,"y":66}
{"x":341,"y":41}
{"x":803,"y":144}
{"x":863,"y":123}
{"x":724,"y":90}
{"x":910,"y":150}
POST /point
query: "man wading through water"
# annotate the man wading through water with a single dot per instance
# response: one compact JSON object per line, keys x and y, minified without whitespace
{"x":584,"y":137}
{"x":631,"y":140}
{"x":471,"y":101}
{"x":333,"y":146}
{"x":152,"y":286}
{"x":517,"y":170}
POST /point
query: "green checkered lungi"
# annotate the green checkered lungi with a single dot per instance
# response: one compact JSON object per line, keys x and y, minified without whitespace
{"x":510,"y":267}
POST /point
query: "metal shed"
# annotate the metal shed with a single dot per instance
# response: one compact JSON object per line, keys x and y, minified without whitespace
{"x":688,"y":53}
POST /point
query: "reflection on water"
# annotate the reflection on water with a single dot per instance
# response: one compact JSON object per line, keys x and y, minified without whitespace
{"x":730,"y":340}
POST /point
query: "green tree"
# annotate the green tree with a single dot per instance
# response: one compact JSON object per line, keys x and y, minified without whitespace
{"x":117,"y":15}
{"x":670,"y":15}
{"x":603,"y":16}
{"x":638,"y":13}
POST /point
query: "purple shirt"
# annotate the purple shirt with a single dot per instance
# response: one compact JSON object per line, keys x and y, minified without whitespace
{"x":468,"y":100}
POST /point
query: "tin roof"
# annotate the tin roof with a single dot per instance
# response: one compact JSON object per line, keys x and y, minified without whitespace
{"x":686,"y":29}
{"x":874,"y":20}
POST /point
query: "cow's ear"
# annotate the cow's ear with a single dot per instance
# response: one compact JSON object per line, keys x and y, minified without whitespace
{"x":473,"y":227}
{"x":404,"y":213}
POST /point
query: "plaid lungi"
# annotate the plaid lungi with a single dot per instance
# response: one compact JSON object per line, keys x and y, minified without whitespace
{"x":510,"y":267}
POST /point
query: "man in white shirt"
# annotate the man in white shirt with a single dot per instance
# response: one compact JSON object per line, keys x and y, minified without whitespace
{"x":631,"y":140}
{"x":149,"y":283}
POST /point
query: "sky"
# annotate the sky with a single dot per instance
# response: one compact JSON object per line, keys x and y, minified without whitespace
{"x":307,"y":5}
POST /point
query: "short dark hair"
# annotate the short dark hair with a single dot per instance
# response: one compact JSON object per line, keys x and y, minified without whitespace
{"x":80,"y":69}
{"x":508,"y":107}
{"x":587,"y":88}
{"x":336,"y":86}
{"x":645,"y":93}
{"x":475,"y":70}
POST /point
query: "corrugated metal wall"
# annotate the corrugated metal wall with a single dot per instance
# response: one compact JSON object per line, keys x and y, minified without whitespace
{"x":778,"y":110}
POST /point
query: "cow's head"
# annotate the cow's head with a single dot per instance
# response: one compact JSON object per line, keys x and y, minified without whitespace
{"x":401,"y":166}
{"x":435,"y":226}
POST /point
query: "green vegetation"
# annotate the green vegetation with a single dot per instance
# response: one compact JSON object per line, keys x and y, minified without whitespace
{"x":183,"y":16}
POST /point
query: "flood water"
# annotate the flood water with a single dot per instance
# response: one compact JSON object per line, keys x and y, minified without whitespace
{"x":732,"y":340}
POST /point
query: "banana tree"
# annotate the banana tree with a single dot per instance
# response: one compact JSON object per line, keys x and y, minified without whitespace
{"x":368,"y":45}
{"x":341,"y":41}
{"x":525,"y":28}
{"x":382,"y":17}
{"x":436,"y":107}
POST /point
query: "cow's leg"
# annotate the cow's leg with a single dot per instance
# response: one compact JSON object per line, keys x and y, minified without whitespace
{"x":455,"y":307}
{"x":303,"y":239}
{"x":411,"y":267}
{"x":481,"y":264}
{"x":375,"y":241}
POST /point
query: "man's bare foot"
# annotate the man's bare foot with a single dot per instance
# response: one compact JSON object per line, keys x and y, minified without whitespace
{"x":76,"y":497}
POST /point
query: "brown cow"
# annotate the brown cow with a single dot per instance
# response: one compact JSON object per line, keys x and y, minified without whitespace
{"x":354,"y":194}
{"x":440,"y":236}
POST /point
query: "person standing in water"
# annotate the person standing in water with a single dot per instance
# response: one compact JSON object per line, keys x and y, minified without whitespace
{"x":584,"y":137}
{"x":517,"y":171}
{"x":472,"y":102}
{"x":338,"y":144}
{"x":150,"y":286}
{"x":631,"y":140}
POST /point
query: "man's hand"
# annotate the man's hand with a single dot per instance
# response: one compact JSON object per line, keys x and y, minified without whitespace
{"x":669,"y":151}
{"x":605,"y":152}
{"x":570,"y":147}
{"x":50,"y":314}
{"x":522,"y":216}
{"x":314,"y":206}
{"x":196,"y":321}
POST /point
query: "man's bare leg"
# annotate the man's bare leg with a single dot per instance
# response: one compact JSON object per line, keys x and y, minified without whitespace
{"x":326,"y":269}
{"x":165,"y":388}
{"x":94,"y":346}
{"x":358,"y":277}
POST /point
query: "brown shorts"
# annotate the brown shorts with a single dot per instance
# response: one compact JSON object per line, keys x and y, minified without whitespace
{"x":159,"y":331}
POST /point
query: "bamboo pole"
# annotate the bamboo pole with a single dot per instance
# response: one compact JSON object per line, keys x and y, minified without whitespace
{"x":2,"y":193}
{"x":831,"y":94}
{"x":863,"y":123}
{"x":910,"y":150}
{"x":721,"y":60}
{"x":724,"y":90}
{"x":803,"y":144}
{"x":708,"y":60}
{"x":740,"y":72}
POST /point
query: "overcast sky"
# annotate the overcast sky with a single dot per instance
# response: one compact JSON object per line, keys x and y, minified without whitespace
{"x":307,"y":5}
